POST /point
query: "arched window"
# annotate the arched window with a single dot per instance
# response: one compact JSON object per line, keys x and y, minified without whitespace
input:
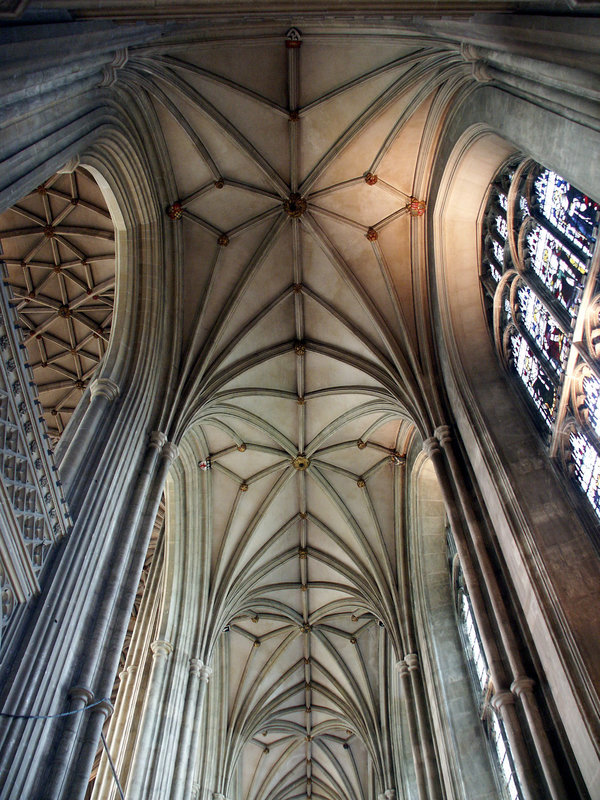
{"x":483,"y":690}
{"x":540,"y":279}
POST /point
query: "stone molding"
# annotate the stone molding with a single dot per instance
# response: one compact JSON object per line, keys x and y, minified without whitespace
{"x":443,"y":434}
{"x":158,"y":439}
{"x":431,"y":446}
{"x":81,"y":693}
{"x":200,"y":670}
{"x":412,"y":662}
{"x":161,"y":649}
{"x":402,"y":668}
{"x":109,"y":72}
{"x":170,"y":451}
{"x":104,"y":387}
{"x":503,"y":698}
{"x":522,"y":685}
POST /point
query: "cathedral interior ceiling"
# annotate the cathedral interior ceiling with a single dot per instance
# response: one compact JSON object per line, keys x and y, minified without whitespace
{"x":298,"y":167}
{"x":59,"y":252}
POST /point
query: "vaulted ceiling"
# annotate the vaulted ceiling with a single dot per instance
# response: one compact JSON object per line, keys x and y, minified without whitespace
{"x":59,"y":255}
{"x":300,"y":163}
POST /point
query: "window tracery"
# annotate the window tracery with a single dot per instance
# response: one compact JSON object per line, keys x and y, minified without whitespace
{"x":540,"y":278}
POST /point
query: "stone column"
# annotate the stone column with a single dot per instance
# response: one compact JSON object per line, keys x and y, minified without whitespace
{"x":112,"y":617}
{"x":415,"y":743}
{"x":104,"y":783}
{"x":522,"y":688}
{"x":433,"y":780}
{"x":102,"y":393}
{"x":431,"y":446}
{"x":511,"y":647}
{"x":504,"y":704}
{"x":161,"y":652}
{"x":497,"y":671}
{"x":204,"y":673}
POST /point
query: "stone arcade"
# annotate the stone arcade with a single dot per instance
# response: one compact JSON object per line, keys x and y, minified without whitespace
{"x":252,"y":521}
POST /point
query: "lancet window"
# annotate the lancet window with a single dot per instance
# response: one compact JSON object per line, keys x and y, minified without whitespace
{"x":540,"y":279}
{"x":483,"y":689}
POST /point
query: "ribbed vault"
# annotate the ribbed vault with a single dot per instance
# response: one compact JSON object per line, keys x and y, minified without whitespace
{"x":301,"y":169}
{"x":59,"y":252}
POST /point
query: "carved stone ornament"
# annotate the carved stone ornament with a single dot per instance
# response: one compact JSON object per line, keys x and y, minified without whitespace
{"x":293,"y":39}
{"x":294,"y":205}
{"x":372,"y":235}
{"x":223,"y":240}
{"x":416,"y":207}
{"x":300,"y":462}
{"x":175,"y":210}
{"x":370,"y":179}
{"x":204,"y":465}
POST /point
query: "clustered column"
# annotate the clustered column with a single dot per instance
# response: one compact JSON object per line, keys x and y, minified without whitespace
{"x":161,"y":652}
{"x":469,"y":538}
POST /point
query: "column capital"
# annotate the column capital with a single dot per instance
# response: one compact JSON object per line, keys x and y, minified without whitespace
{"x":390,"y":794}
{"x":127,"y":672}
{"x":161,"y":648}
{"x":481,"y":72}
{"x":170,"y":451}
{"x":522,"y":685}
{"x":105,"y":707}
{"x":70,"y":166}
{"x":205,"y":673}
{"x":158,"y":439}
{"x":431,"y":446}
{"x":444,"y":434}
{"x":195,"y":666}
{"x":469,"y":52}
{"x":402,"y":668}
{"x":200,"y":670}
{"x":412,"y":662}
{"x":105,"y":388}
{"x":503,"y":698}
{"x":81,"y":693}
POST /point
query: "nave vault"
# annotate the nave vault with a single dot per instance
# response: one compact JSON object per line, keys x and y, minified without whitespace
{"x":300,"y":381}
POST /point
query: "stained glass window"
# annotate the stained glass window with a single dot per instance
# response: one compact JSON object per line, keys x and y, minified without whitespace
{"x":544,"y":237}
{"x":499,"y":747}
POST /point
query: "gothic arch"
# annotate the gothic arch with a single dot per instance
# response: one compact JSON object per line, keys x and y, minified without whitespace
{"x":526,"y":502}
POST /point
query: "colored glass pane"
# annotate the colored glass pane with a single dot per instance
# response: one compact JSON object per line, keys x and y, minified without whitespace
{"x":498,"y":251}
{"x":524,"y":205}
{"x":543,"y":328}
{"x":567,"y":209}
{"x":497,"y":734}
{"x":587,"y":467}
{"x":494,"y":271}
{"x":591,"y":387}
{"x":501,"y":226}
{"x":536,"y":381}
{"x":474,"y":645}
{"x":507,"y":311}
{"x":560,"y":270}
{"x":501,"y":746}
